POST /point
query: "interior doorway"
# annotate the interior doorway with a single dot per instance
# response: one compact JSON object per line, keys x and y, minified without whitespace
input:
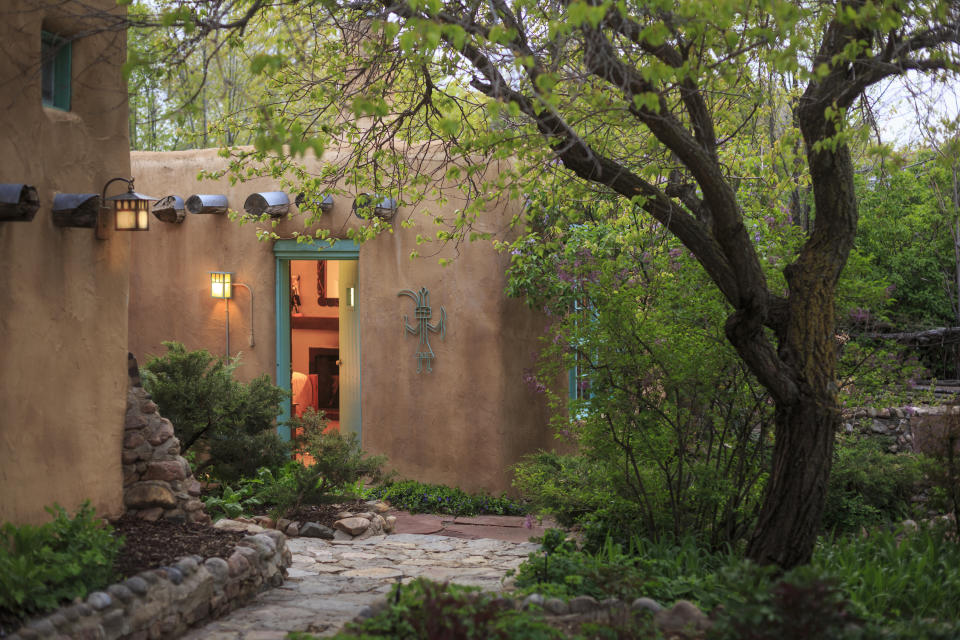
{"x":315,"y":338}
{"x":318,"y":337}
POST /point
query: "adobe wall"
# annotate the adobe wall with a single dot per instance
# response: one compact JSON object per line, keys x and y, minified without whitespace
{"x":465,"y":424}
{"x":63,"y":292}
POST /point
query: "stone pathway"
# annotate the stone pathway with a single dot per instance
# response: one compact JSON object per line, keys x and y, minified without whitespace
{"x":330,"y":582}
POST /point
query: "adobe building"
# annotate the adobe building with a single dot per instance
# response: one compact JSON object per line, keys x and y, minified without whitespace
{"x":425,"y":362}
{"x":63,"y":292}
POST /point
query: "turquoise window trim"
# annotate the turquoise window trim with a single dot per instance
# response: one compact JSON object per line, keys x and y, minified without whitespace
{"x":576,"y":374}
{"x":56,"y":62}
{"x":284,"y":251}
{"x":572,"y":381}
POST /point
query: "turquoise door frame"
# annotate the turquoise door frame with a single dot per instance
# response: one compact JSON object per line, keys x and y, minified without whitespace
{"x":284,"y":251}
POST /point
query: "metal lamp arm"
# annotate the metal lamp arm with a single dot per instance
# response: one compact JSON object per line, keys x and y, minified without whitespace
{"x":247,"y":287}
{"x":129,"y":182}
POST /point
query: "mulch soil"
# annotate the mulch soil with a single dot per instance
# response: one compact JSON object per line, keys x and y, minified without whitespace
{"x":149,"y":545}
{"x":326,"y":514}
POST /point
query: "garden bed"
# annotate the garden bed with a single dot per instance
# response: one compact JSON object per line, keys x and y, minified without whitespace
{"x":154,"y":544}
{"x":174,"y":593}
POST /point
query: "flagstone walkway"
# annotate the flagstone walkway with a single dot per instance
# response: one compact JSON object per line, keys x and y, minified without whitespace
{"x":330,"y":582}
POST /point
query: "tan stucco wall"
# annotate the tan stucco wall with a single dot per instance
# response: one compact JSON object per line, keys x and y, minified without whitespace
{"x":465,"y":424}
{"x":63,"y":292}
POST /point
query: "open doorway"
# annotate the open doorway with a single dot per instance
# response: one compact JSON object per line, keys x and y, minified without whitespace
{"x":318,"y":332}
{"x":315,"y":338}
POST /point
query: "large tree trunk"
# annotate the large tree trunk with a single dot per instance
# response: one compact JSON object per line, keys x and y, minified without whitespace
{"x":790,"y":517}
{"x":806,"y":421}
{"x":789,"y":520}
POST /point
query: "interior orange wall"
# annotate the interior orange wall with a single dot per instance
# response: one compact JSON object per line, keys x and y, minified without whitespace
{"x":303,"y":339}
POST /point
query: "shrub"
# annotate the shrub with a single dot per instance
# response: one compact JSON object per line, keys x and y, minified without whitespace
{"x":672,"y":433}
{"x":568,"y":487}
{"x":869,"y":486}
{"x":425,"y":610}
{"x":44,"y":566}
{"x":330,"y":465}
{"x":229,"y":424}
{"x":418,"y":497}
{"x":805,"y":603}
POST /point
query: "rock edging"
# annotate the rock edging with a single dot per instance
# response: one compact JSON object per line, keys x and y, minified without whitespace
{"x":350,"y":525}
{"x":682,"y":621}
{"x":164,"y":602}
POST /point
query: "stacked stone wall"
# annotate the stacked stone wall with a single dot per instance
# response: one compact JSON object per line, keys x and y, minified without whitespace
{"x":919,"y":429}
{"x":157,"y":481}
{"x":165,"y":602}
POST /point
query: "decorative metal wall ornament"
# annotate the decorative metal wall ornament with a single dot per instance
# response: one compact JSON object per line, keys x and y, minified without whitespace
{"x":423,"y":313}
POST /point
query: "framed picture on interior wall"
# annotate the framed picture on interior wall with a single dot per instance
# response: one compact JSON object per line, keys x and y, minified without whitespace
{"x":324,"y":299}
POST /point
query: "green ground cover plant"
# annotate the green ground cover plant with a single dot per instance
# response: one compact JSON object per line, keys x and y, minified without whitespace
{"x":892,"y":583}
{"x":233,"y":503}
{"x":331,"y":467}
{"x":869,"y":486}
{"x":426,"y":610}
{"x":897,"y":574}
{"x":43,"y":566}
{"x":227,"y":424}
{"x":418,"y":497}
{"x":663,"y":570}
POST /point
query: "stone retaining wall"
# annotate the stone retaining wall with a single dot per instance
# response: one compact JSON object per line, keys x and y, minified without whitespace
{"x":157,"y":480}
{"x":919,"y":429}
{"x":163,"y":603}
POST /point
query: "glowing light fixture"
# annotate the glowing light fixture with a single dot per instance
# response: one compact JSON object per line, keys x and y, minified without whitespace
{"x":131,"y":210}
{"x":221,"y":287}
{"x":351,"y":296}
{"x":220,"y":284}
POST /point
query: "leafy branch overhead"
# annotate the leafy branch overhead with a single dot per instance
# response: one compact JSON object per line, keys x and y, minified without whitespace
{"x":701,"y":116}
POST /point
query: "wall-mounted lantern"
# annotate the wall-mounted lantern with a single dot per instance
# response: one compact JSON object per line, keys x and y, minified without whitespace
{"x":368,"y":205}
{"x":131,"y":210}
{"x":324,"y":204}
{"x":220,"y":285}
{"x":18,"y":202}
{"x":206,"y":203}
{"x":170,"y":209}
{"x":351,"y":297}
{"x":273,"y":203}
{"x":79,"y":210}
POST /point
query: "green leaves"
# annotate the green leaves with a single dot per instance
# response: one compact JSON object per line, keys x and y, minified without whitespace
{"x":418,"y":497}
{"x":41,"y":567}
{"x":581,"y":12}
{"x":231,"y":421}
{"x":266,"y":63}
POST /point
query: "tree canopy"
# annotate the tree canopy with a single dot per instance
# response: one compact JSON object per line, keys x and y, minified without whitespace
{"x":715,"y":119}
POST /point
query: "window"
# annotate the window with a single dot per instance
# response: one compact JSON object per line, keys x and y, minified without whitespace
{"x":55,"y":59}
{"x":578,"y":380}
{"x":578,"y":383}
